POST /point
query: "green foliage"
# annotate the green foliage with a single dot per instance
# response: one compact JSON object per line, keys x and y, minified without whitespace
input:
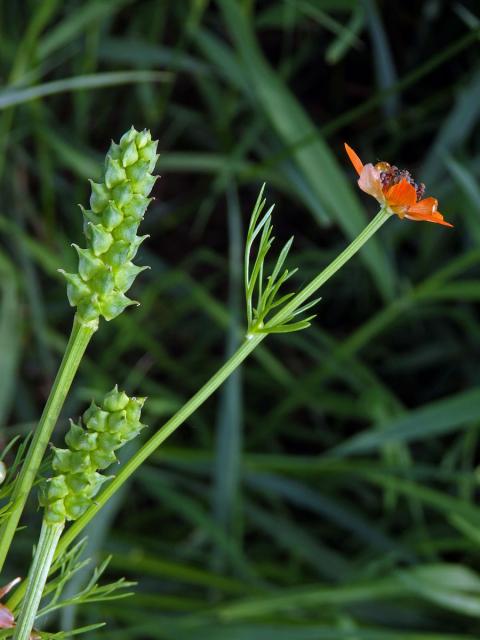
{"x":8,"y":474}
{"x":118,"y":203}
{"x":63,"y":571}
{"x":262,"y":294}
{"x":91,"y":447}
{"x":394,"y":350}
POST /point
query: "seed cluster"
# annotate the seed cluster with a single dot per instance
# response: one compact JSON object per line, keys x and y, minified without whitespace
{"x":117,"y":206}
{"x":91,"y":447}
{"x":390,"y":175}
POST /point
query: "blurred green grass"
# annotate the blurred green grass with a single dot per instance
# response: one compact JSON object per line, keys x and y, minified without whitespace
{"x":329,"y":490}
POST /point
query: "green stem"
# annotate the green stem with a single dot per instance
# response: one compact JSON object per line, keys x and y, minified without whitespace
{"x":160,"y":436}
{"x":47,"y":543}
{"x":79,"y":339}
{"x":208,"y":389}
{"x":313,"y":286}
{"x":217,"y":379}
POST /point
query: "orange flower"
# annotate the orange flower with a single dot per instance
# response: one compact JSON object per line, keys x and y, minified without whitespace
{"x":396,"y":189}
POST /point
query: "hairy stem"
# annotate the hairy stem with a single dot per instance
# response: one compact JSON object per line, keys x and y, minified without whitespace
{"x":47,"y":543}
{"x":218,"y":378}
{"x":79,"y":339}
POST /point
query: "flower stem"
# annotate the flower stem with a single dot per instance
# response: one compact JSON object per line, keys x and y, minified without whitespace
{"x":42,"y":561}
{"x":312,"y":287}
{"x":79,"y":339}
{"x":217,"y":379}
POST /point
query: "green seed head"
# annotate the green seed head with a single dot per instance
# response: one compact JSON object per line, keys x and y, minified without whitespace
{"x":117,"y":206}
{"x":91,"y":447}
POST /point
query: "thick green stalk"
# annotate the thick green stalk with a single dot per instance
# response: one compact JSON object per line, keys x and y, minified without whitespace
{"x":79,"y":339}
{"x":42,"y":561}
{"x":217,"y":379}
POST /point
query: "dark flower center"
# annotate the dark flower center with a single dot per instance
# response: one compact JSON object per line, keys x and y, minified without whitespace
{"x":390,"y":175}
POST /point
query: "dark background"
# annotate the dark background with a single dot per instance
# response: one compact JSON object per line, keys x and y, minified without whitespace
{"x":266,"y":516}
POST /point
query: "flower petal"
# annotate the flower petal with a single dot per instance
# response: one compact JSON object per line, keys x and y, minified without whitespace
{"x":433,"y":218}
{"x":7,"y":621}
{"x":354,"y":159}
{"x":427,"y":205}
{"x":436,"y":218}
{"x":370,"y":182}
{"x":401,"y":196}
{"x":426,"y":210}
{"x":8,"y":587}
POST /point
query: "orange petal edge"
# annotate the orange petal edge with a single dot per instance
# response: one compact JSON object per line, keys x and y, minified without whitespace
{"x":354,"y":159}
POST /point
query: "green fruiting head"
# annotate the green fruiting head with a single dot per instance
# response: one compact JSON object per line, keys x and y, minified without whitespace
{"x":117,"y":206}
{"x":91,"y":447}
